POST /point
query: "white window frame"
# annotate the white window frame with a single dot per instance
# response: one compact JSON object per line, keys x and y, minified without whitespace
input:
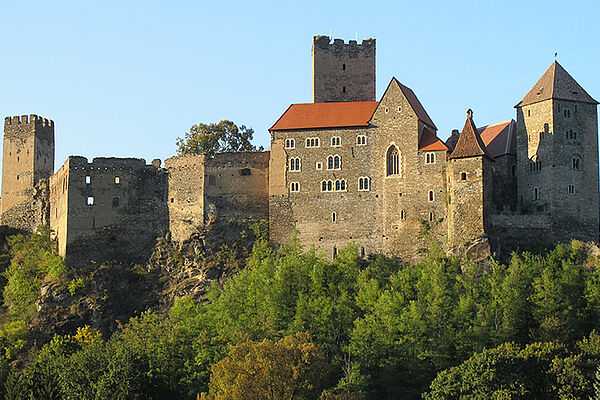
{"x":430,"y":157}
{"x":337,"y":185}
{"x":314,"y":140}
{"x":294,"y":165}
{"x":333,"y":157}
{"x":290,"y":143}
{"x":363,"y":180}
{"x":294,"y":187}
{"x":431,"y":196}
{"x":336,"y":141}
{"x":361,"y":140}
{"x":319,"y":165}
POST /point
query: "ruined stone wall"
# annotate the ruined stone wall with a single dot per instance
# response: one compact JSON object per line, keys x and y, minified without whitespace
{"x":28,"y":161}
{"x":59,"y":200}
{"x":343,"y":72}
{"x":186,"y":195}
{"x":116,"y":207}
{"x":237,"y":186}
{"x":228,"y":188}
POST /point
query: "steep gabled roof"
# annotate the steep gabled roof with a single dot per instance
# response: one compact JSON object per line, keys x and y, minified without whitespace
{"x":415,"y":104}
{"x":500,"y":138}
{"x":430,"y":142}
{"x":326,"y":115}
{"x":469,"y":142}
{"x":556,"y":83}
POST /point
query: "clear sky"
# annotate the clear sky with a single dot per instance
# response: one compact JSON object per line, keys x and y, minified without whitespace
{"x":126,"y":78}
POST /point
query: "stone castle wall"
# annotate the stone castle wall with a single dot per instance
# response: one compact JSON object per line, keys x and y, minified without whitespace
{"x":343,"y":72}
{"x":230,"y":187}
{"x":28,"y":160}
{"x":109,"y":208}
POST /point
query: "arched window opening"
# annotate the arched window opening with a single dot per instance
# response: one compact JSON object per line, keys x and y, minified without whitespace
{"x":393,"y":161}
{"x":333,"y":217}
{"x":330,"y":162}
{"x":431,"y":195}
{"x":430,"y":217}
{"x":536,"y":194}
{"x":337,"y":185}
{"x":324,"y":186}
{"x":402,"y":215}
{"x":343,"y":185}
{"x":329,"y":186}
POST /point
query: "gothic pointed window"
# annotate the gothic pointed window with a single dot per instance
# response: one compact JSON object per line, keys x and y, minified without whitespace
{"x":393,"y":161}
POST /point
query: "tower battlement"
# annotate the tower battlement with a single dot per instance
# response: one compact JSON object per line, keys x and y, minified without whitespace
{"x":28,"y":119}
{"x":343,"y":71}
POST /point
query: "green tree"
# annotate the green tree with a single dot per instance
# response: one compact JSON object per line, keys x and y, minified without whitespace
{"x":216,"y":138}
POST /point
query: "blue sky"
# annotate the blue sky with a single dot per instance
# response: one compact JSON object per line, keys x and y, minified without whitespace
{"x":127,"y":78}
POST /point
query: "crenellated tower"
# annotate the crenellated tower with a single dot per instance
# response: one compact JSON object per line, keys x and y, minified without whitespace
{"x":27,"y":164}
{"x":343,"y":72}
{"x":557,"y":155}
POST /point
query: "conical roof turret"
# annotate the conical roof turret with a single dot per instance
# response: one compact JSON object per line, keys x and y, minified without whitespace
{"x":469,"y":142}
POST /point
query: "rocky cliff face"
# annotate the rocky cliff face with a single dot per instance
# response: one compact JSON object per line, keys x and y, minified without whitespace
{"x":102,"y":296}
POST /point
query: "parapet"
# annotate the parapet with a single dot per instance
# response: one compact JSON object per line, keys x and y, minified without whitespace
{"x":106,"y":163}
{"x":324,"y":42}
{"x":28,"y":119}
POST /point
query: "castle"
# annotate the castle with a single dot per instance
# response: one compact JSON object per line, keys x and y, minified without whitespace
{"x":344,"y":168}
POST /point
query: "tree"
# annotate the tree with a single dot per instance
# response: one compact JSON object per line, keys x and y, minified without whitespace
{"x":292,"y":368}
{"x":216,"y":138}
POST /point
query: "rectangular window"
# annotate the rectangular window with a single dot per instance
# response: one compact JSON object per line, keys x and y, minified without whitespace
{"x":336,"y":141}
{"x":88,"y":180}
{"x":294,"y":187}
{"x":290,"y":143}
{"x":90,"y":201}
{"x":319,"y":165}
{"x":117,"y":180}
{"x":430,"y":158}
{"x":361,"y":140}
{"x":571,"y":189}
{"x":312,"y":142}
{"x":245,"y":171}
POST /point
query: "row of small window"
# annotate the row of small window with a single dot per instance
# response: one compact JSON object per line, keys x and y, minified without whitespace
{"x":88,"y":180}
{"x":570,"y":135}
{"x":338,"y":185}
{"x":336,"y":141}
{"x":115,"y":201}
{"x":536,"y":193}
{"x":535,"y":166}
{"x":333,"y":162}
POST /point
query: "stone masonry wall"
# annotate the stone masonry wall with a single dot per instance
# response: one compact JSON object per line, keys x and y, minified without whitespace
{"x":186,"y":195}
{"x":116,"y":207}
{"x":393,"y":217}
{"x":28,"y":160}
{"x":343,"y":72}
{"x":228,"y":188}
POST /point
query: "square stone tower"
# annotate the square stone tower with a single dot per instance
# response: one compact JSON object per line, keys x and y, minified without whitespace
{"x":557,"y":155}
{"x":343,"y":72}
{"x":28,"y":162}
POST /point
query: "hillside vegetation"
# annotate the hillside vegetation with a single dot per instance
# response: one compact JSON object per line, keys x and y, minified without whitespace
{"x":293,"y":325}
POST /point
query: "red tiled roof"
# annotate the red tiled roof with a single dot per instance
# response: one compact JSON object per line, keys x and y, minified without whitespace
{"x":556,"y":83}
{"x":416,"y":104}
{"x":326,"y":115}
{"x":430,"y":142}
{"x":500,"y":138}
{"x":469,"y":142}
